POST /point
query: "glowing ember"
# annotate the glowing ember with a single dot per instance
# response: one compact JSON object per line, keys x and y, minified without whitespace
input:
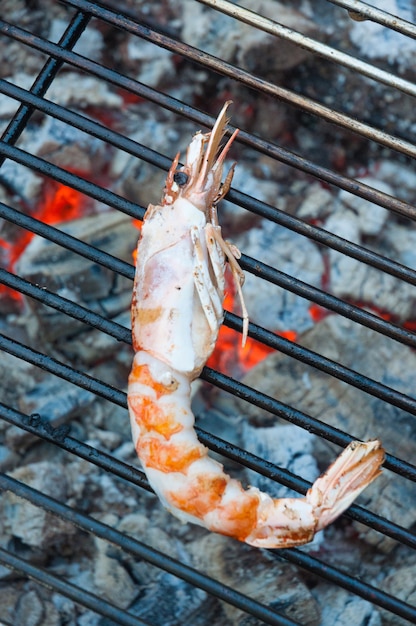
{"x":229,"y":356}
{"x":129,"y":98}
{"x":138,"y":225}
{"x":9,"y":253}
{"x":317,"y":312}
{"x":59,"y":203}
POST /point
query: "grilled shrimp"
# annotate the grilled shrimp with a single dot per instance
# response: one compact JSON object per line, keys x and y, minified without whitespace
{"x":176,"y":315}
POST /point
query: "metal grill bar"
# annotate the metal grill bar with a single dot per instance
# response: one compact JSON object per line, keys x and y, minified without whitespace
{"x":261,"y":334}
{"x":293,"y":223}
{"x":266,"y":147}
{"x":72,"y":180}
{"x":222,"y":381}
{"x":60,"y":436}
{"x":256,"y":332}
{"x":121,"y":333}
{"x":299,"y":418}
{"x":66,"y":241}
{"x":39,"y":427}
{"x":45,"y":78}
{"x":260,"y":269}
{"x":378,"y":15}
{"x":151,"y":555}
{"x":86,"y":125}
{"x":77,"y":594}
{"x":246,"y":78}
{"x":352,"y":584}
{"x":326,"y":52}
{"x":328,"y":301}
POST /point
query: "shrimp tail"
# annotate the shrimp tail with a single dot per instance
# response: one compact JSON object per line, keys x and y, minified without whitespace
{"x":290,"y":522}
{"x":195,"y":488}
{"x":334,"y":491}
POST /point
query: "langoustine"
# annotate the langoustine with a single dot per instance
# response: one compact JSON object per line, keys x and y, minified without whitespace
{"x":176,"y":315}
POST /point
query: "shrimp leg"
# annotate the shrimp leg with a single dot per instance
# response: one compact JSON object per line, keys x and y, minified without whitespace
{"x":209,"y":291}
{"x":232,"y":253}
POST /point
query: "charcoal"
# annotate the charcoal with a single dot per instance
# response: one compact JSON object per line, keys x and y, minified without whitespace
{"x":52,"y":401}
{"x":401,"y":584}
{"x":294,"y":255}
{"x":285,"y":445}
{"x":79,"y":279}
{"x":339,"y":608}
{"x":168,"y":601}
{"x":253,"y":573}
{"x":111,"y":578}
{"x":34,"y":525}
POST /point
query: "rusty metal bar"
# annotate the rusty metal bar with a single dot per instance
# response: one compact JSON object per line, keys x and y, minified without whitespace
{"x":254,"y":82}
{"x":312,"y":45}
{"x":265,"y":147}
{"x":364,"y":10}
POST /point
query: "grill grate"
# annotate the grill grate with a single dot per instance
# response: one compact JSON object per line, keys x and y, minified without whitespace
{"x":33,"y":100}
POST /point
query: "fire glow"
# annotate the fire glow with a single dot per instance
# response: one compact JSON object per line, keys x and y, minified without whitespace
{"x":61,"y":204}
{"x":229,"y":356}
{"x":138,"y":224}
{"x":58,"y":203}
